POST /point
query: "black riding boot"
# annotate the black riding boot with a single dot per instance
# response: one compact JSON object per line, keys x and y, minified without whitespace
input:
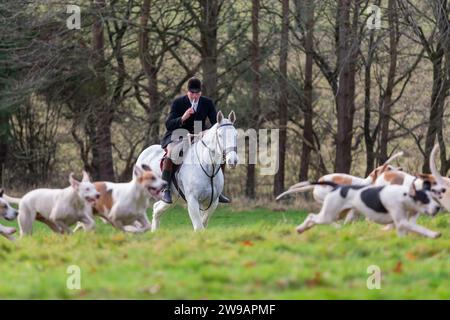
{"x":167,"y":176}
{"x":222,"y":197}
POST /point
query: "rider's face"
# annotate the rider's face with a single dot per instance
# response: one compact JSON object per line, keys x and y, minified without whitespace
{"x":194,"y":96}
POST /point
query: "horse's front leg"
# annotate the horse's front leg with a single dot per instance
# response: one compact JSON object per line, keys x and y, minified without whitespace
{"x":194,"y":213}
{"x":207,"y":214}
{"x":159,"y":208}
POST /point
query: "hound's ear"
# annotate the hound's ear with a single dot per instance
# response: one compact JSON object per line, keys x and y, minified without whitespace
{"x":423,"y":176}
{"x":1,"y":192}
{"x":232,"y":116}
{"x":374,"y":174}
{"x":73,"y":182}
{"x":146,"y":167}
{"x":383,"y":168}
{"x":86,"y":177}
{"x":412,"y":189}
{"x":219,"y":117}
{"x":137,"y":171}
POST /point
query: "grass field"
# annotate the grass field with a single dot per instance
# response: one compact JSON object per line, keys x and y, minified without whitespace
{"x":243,"y":255}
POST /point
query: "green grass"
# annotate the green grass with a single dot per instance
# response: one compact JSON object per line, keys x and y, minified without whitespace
{"x":243,"y":255}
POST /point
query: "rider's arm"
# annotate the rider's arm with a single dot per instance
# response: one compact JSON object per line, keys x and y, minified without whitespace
{"x":174,"y":120}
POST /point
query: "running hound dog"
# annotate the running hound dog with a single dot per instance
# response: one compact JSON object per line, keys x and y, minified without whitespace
{"x":58,"y":208}
{"x":7,"y":213}
{"x":320,"y":191}
{"x":420,"y":181}
{"x":384,"y":205}
{"x":402,"y":178}
{"x":124,"y":205}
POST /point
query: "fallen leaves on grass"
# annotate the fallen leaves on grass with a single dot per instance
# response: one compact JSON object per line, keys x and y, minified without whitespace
{"x":315,"y":281}
{"x":247,"y":243}
{"x":398,"y":267}
{"x":411,"y":256}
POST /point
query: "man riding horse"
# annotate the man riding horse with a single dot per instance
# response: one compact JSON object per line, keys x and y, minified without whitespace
{"x":184,"y":112}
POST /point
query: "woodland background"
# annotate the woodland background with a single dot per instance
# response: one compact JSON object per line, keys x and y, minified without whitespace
{"x":345,"y":97}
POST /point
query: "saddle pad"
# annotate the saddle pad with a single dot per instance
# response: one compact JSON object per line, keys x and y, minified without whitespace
{"x":162,"y":160}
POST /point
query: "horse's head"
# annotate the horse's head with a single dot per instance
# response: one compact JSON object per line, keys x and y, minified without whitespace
{"x":227,"y":138}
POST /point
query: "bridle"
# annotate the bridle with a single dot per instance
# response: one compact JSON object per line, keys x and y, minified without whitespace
{"x":222,"y":151}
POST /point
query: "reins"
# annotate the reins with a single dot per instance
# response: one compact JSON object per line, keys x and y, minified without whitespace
{"x":215,"y":171}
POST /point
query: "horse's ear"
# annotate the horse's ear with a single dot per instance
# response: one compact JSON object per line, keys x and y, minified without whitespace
{"x":232,"y":116}
{"x":219,"y":117}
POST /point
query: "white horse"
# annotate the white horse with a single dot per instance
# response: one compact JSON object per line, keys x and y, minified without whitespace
{"x":199,"y":177}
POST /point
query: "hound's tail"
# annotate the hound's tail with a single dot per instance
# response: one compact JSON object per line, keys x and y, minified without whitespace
{"x":433,"y":169}
{"x":398,"y":154}
{"x":11,"y":199}
{"x":298,"y":187}
{"x":305,"y":186}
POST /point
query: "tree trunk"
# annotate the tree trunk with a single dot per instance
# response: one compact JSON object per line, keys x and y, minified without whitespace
{"x":346,"y":92}
{"x":387,"y":96}
{"x":437,"y":104}
{"x":283,"y":99}
{"x":149,"y":66}
{"x":441,"y":84}
{"x":256,"y":85}
{"x":4,"y":139}
{"x":369,"y":138}
{"x":208,"y":39}
{"x":103,"y":112}
{"x":308,"y":88}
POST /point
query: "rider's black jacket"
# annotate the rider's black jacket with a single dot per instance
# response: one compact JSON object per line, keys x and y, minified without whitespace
{"x":205,"y":109}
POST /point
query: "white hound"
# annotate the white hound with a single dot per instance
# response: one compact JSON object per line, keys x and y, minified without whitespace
{"x":58,"y":208}
{"x":7,"y":213}
{"x":124,"y":205}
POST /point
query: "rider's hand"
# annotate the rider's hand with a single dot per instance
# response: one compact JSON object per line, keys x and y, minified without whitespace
{"x":187,"y":114}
